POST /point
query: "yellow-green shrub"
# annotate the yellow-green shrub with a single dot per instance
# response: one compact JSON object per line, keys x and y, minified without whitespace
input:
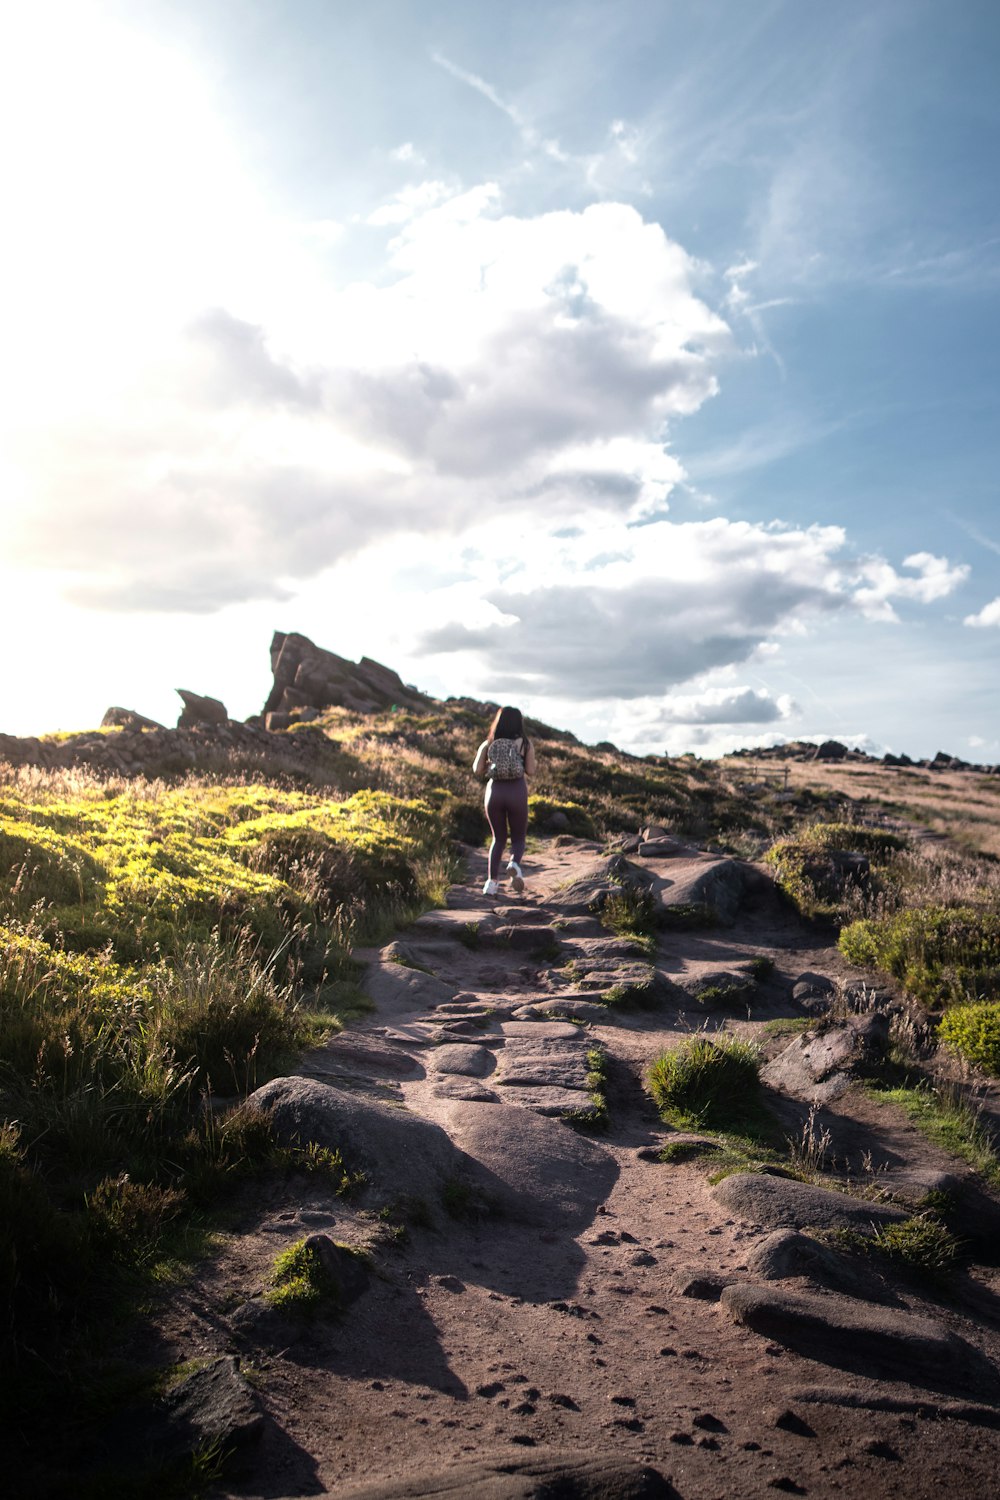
{"x":973,"y":1031}
{"x":579,"y":823}
{"x":941,"y":954}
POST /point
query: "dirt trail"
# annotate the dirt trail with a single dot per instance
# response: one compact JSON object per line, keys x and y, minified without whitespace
{"x":582,"y":1320}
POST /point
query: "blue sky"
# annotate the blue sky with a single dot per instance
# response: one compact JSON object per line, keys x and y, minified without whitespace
{"x":639,"y":362}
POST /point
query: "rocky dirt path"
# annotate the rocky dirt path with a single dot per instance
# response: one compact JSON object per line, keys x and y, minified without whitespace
{"x":554,"y":1310}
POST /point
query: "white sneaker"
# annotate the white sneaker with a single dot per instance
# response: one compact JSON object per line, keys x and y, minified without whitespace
{"x":490,"y":888}
{"x":516,"y":878}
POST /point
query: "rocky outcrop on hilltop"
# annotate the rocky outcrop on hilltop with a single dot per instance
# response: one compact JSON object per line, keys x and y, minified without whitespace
{"x":307,"y":679}
{"x":833,"y":750}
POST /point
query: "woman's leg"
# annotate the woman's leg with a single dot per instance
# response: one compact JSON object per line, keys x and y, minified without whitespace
{"x":517,"y":816}
{"x":496,"y":812}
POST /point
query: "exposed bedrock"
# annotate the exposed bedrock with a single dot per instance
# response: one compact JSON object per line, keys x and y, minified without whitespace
{"x":308,"y":677}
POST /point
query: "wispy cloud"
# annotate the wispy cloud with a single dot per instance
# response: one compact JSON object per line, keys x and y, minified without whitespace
{"x":601,"y":171}
{"x":957,"y":266}
{"x":760,"y":446}
{"x":975,"y":532}
{"x":531,"y":138}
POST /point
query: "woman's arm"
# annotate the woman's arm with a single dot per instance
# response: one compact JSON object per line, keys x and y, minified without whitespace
{"x":529,"y":760}
{"x":481,"y":762}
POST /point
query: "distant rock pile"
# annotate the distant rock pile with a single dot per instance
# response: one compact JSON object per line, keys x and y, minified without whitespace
{"x":308,"y":679}
{"x":833,"y":750}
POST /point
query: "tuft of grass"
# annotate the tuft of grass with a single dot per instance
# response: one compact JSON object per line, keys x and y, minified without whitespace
{"x":973,"y":1031}
{"x":595,"y":1115}
{"x":760,"y":967}
{"x":724,"y":1154}
{"x":300,"y":1282}
{"x":462,"y":1202}
{"x":579,"y":821}
{"x":707,"y":1081}
{"x":630,"y":912}
{"x":921,"y":1246}
{"x":789,"y":1025}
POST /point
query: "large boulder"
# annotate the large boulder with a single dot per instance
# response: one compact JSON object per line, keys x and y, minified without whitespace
{"x":717,"y":888}
{"x":127,"y":718}
{"x":787,"y":1254}
{"x":821,"y":1065}
{"x":786,"y":1203}
{"x":400,"y":1152}
{"x":306,"y":676}
{"x":607,"y":878}
{"x":536,"y":1169}
{"x":200,"y":710}
{"x":857,"y":1336}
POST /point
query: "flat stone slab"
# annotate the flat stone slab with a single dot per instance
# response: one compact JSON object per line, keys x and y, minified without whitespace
{"x":456,"y":1087}
{"x":551,"y":1031}
{"x":530,"y":1064}
{"x":548,"y":1099}
{"x":394,"y":987}
{"x":855,"y":1335}
{"x":522,"y":937}
{"x":784,"y":1203}
{"x":584,"y":1007}
{"x":365,"y":1051}
{"x":534,"y":1167}
{"x":471,"y":1062}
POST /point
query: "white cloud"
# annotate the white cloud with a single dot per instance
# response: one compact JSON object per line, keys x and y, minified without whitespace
{"x":657,"y":606}
{"x":935,"y":579}
{"x":987,"y":616}
{"x":496,"y":365}
{"x":407,"y":153}
{"x":727,"y":706}
{"x":619,"y":611}
{"x":409,"y":202}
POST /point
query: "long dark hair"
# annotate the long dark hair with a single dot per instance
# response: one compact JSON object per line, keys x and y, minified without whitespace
{"x":508,"y":725}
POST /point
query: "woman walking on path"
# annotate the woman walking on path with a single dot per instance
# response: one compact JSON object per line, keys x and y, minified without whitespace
{"x":503,"y":760}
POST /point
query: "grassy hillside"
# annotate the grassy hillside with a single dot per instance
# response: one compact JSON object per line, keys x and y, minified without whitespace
{"x":168,"y":942}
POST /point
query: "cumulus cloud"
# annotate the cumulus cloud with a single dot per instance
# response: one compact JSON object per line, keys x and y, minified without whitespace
{"x":935,"y":578}
{"x":728,"y":706}
{"x":987,"y":616}
{"x":496,"y":363}
{"x":676,"y":601}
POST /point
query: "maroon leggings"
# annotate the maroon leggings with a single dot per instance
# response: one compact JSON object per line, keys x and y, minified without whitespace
{"x":507,"y":807}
